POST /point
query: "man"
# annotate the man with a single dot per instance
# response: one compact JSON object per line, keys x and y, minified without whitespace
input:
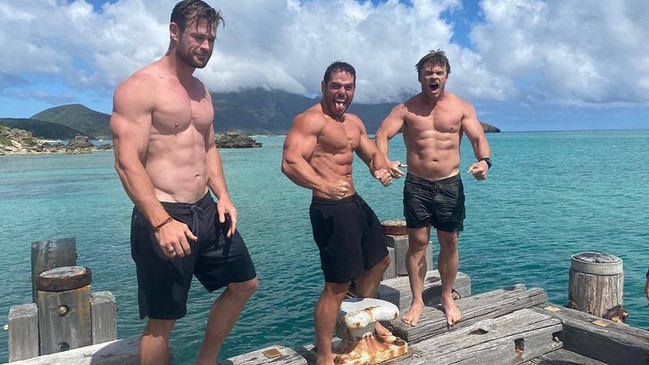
{"x":166,"y":158}
{"x":318,"y":155}
{"x":432,"y":123}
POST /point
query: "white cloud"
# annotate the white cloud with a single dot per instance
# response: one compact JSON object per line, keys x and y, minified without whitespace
{"x":566,"y":51}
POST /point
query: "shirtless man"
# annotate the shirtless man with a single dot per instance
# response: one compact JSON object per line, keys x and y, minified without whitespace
{"x":166,"y":158}
{"x":318,"y":155}
{"x":432,"y":123}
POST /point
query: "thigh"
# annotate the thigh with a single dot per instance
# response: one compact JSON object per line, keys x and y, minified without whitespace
{"x":163,"y":282}
{"x":337,"y":233}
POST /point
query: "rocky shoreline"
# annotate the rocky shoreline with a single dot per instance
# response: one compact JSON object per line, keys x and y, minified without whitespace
{"x":20,"y":142}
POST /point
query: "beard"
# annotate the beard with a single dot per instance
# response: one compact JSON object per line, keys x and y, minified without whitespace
{"x":191,"y":59}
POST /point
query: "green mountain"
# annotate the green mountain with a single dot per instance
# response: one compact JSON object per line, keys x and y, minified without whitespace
{"x":91,"y":123}
{"x":251,"y":111}
{"x":41,"y":129}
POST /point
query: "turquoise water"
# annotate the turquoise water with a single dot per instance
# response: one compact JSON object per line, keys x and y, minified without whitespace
{"x":549,"y":195}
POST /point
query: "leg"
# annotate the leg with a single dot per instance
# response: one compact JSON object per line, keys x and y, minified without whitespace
{"x":154,"y":342}
{"x":366,"y":287}
{"x":326,"y":314}
{"x":448,"y":266}
{"x":416,"y":266}
{"x":222,"y":317}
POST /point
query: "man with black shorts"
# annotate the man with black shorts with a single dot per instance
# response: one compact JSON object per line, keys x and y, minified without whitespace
{"x":432,"y":123}
{"x":166,"y":158}
{"x":318,"y":155}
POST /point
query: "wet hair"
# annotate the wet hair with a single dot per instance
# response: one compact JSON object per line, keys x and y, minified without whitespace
{"x":187,"y":12}
{"x":435,"y":58}
{"x":338,"y":66}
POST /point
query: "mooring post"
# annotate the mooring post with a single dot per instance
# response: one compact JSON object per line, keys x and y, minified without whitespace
{"x":63,"y":301}
{"x":49,"y":254}
{"x":596,"y":284}
{"x":396,"y":238}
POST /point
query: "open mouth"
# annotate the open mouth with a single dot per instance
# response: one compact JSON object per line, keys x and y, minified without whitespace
{"x":433,"y":86}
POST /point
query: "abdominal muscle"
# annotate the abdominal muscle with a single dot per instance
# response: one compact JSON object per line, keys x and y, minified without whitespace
{"x":333,"y":168}
{"x":176,"y":165}
{"x":433,"y":158}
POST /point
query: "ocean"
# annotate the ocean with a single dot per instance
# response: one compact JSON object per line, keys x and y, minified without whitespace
{"x":549,"y":195}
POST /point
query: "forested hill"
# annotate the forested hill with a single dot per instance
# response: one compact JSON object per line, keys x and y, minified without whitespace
{"x":252,"y":111}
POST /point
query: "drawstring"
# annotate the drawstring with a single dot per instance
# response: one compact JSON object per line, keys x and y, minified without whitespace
{"x":195,"y":210}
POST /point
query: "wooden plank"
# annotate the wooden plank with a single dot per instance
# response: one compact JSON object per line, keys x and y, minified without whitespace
{"x":475,"y":308}
{"x":120,"y":352}
{"x":397,"y":290}
{"x":600,"y":339}
{"x":269,"y":355}
{"x":103,"y":312}
{"x":23,"y":331}
{"x":510,"y":339}
{"x":562,"y":357}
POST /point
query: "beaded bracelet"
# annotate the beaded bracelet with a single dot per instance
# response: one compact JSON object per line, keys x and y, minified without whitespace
{"x":157,"y":228}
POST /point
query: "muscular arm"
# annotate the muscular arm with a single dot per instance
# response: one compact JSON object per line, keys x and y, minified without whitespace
{"x":130,"y":126}
{"x":216,"y":183}
{"x":299,"y":145}
{"x":474,"y":132}
{"x":390,"y":126}
{"x":369,"y":153}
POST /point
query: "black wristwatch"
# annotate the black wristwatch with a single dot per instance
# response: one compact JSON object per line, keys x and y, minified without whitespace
{"x":487,"y":160}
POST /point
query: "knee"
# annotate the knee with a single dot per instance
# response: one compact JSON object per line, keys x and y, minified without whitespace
{"x":385,"y":262}
{"x":244,"y":289}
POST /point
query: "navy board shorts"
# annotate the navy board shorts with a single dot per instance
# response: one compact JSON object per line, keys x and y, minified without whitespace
{"x":437,"y":203}
{"x":349,"y":236}
{"x":215,"y":260}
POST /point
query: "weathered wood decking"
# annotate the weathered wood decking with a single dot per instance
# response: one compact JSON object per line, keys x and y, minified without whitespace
{"x":512,"y":325}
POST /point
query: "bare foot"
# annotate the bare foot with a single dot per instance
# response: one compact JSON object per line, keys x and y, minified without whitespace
{"x":383,"y":334}
{"x":451,"y":311}
{"x":412,"y":315}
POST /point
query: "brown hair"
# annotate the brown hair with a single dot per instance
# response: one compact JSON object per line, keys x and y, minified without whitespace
{"x":437,"y":57}
{"x":189,"y":11}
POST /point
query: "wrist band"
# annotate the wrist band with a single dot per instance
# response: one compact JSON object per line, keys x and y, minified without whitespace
{"x":157,"y":228}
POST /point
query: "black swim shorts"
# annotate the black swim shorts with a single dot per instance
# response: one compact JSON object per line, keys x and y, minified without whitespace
{"x":215,"y":260}
{"x":349,"y":236}
{"x":437,"y":203}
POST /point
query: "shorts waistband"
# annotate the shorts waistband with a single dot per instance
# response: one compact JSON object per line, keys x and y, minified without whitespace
{"x":450,"y":179}
{"x":323,"y":201}
{"x":184,"y":208}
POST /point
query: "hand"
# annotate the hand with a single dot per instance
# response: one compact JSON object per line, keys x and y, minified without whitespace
{"x":225,"y":209}
{"x":338,"y":190}
{"x":384,"y":176}
{"x":173,"y":239}
{"x":394,"y":169}
{"x":479,"y":170}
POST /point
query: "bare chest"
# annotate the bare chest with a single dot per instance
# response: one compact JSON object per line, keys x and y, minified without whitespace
{"x":177,"y":110}
{"x":339,"y":138}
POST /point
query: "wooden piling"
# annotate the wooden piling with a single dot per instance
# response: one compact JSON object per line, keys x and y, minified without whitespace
{"x":63,"y":300}
{"x":23,"y":332}
{"x":596,"y":283}
{"x":50,"y":254}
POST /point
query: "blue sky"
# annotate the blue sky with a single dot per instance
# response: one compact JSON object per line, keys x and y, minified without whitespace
{"x":526,"y":65}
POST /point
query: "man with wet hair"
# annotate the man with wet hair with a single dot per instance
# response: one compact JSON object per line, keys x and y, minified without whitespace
{"x":167,"y":160}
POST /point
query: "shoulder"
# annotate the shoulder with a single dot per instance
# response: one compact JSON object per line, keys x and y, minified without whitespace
{"x":140,"y":81}
{"x":310,"y":120}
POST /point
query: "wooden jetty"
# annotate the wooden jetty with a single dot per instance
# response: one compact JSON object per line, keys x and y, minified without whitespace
{"x":510,"y":325}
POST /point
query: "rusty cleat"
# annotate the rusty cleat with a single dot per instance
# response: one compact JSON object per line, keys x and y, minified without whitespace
{"x":356,"y":327}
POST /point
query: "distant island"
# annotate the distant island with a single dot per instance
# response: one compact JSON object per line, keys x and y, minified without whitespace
{"x":238,"y":115}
